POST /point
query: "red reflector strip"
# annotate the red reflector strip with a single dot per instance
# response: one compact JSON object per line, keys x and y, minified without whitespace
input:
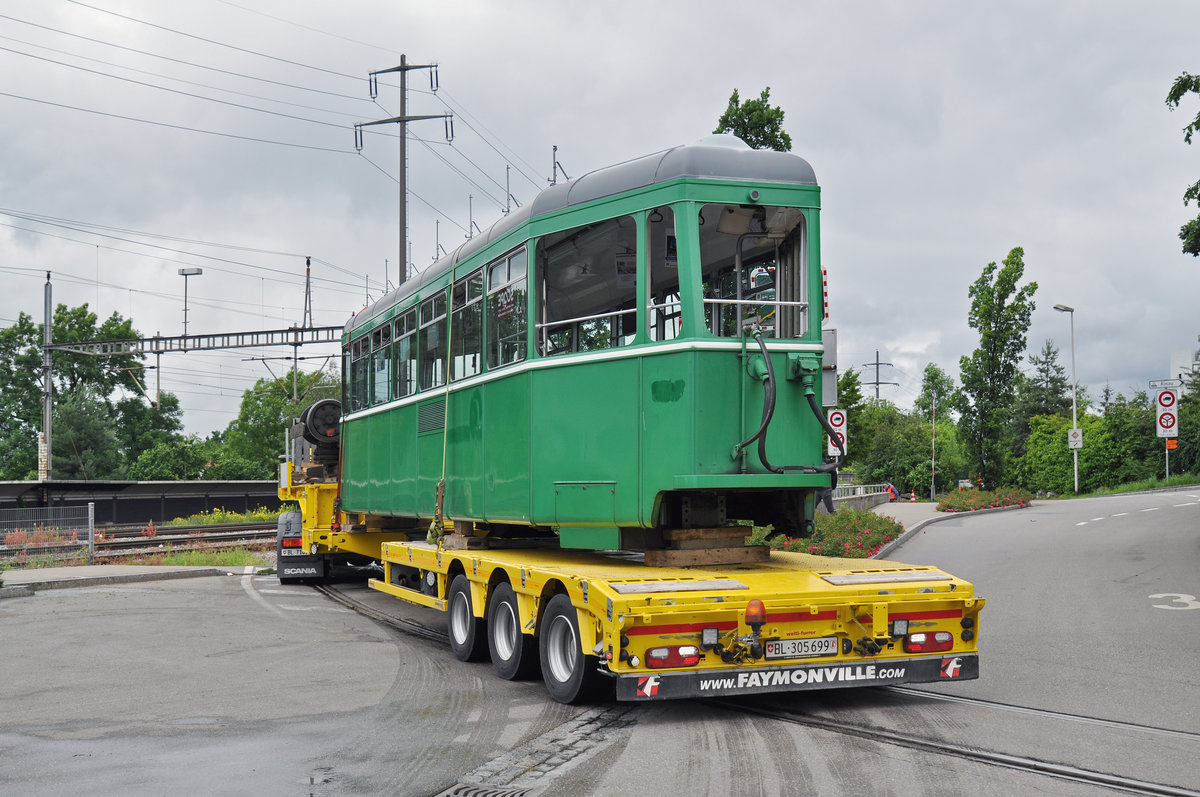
{"x":291,"y":542}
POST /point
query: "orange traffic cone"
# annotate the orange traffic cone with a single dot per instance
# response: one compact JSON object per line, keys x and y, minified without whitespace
{"x":912,"y":497}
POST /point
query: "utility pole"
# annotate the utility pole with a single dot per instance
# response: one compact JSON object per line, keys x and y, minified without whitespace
{"x":307,"y":322}
{"x":933,"y":448}
{"x":556,"y":167}
{"x":877,"y":383}
{"x":403,"y":119}
{"x":44,"y":450}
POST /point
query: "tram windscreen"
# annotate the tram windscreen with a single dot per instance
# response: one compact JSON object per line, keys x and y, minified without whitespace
{"x":753,"y":269}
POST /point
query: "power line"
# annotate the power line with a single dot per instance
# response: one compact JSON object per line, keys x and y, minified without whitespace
{"x":174,"y":126}
{"x":214,"y":41}
{"x":186,"y":63}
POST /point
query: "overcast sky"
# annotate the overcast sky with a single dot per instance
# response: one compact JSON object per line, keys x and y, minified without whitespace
{"x":139,"y":137}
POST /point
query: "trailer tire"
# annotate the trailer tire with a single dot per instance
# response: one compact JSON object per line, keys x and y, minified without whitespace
{"x":570,"y":674}
{"x":514,"y":654}
{"x":468,"y":636}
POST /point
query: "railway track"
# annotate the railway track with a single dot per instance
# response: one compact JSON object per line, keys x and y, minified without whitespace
{"x":127,"y":540}
{"x":923,"y":742}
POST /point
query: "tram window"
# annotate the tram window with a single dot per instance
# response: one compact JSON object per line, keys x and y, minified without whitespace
{"x":664,"y":314}
{"x":467,"y":340}
{"x":404,"y":354}
{"x":752,"y":261}
{"x":506,"y":295}
{"x":360,"y":375}
{"x":587,"y":279}
{"x":432,"y":358}
{"x":381,"y":364}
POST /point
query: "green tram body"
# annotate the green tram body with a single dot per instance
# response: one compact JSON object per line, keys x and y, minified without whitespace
{"x":615,"y":413}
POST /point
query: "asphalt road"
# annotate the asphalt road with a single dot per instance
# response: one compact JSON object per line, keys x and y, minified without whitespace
{"x":238,"y":685}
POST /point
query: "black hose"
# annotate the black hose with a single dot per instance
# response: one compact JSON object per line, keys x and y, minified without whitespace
{"x":769,"y":390}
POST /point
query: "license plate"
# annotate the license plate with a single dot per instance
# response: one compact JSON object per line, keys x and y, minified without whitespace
{"x":292,"y":552}
{"x":797,"y":648}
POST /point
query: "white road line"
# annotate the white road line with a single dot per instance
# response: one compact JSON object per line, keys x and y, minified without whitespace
{"x":1084,"y":523}
{"x":1185,"y":505}
{"x":1121,"y":514}
{"x":1151,"y":509}
{"x":1097,"y":518}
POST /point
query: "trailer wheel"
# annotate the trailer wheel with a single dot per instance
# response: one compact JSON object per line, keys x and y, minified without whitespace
{"x":468,"y":637}
{"x":569,"y":673}
{"x":514,"y":655}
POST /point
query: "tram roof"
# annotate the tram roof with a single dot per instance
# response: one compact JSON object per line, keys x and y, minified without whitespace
{"x":723,"y":157}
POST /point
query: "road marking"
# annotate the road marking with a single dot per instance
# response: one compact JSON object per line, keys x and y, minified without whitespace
{"x":1151,"y":509}
{"x":1097,"y":518}
{"x":1121,"y":514}
{"x":1186,"y":601}
{"x":1083,"y":523}
{"x":1185,"y":505}
{"x":313,"y":609}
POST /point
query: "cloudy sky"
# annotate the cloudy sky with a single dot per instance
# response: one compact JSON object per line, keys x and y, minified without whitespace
{"x":138,"y":138}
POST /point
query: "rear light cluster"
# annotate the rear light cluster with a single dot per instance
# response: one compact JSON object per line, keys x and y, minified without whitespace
{"x":673,"y":656}
{"x":291,"y":542}
{"x":926,"y":642}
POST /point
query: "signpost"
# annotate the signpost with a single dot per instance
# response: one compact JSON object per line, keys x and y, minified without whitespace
{"x":1075,"y":438}
{"x":1166,"y":421}
{"x":837,"y":419}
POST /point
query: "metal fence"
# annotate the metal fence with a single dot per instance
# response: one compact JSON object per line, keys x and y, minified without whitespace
{"x":54,"y":531}
{"x":851,"y":490}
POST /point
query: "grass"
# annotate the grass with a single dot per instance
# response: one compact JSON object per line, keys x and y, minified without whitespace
{"x":212,"y":557}
{"x":1180,"y":480}
{"x":222,"y":515}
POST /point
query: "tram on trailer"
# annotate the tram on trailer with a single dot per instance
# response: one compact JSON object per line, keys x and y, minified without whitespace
{"x":598,"y":396}
{"x":599,"y":365}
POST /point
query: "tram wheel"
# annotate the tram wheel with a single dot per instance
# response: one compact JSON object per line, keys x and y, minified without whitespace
{"x":514,"y":655}
{"x":468,"y":636}
{"x":570,"y":674}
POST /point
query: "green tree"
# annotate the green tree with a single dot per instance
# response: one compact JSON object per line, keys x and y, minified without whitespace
{"x":755,"y":122}
{"x":1001,"y":312}
{"x":20,"y":399}
{"x":256,"y":436}
{"x":1189,"y":233}
{"x":936,"y":382}
{"x":21,"y":389}
{"x":141,"y":425}
{"x":171,"y":460}
{"x":85,"y":438}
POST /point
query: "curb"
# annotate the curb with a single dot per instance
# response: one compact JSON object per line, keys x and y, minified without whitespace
{"x":24,"y":590}
{"x":908,"y":533}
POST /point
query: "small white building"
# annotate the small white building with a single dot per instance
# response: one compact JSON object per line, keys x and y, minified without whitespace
{"x":1184,"y":362}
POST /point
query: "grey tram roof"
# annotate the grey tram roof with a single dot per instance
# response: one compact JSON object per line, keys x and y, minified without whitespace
{"x":718,"y":156}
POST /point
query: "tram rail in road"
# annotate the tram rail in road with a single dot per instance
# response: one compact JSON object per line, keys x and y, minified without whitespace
{"x":888,"y":715}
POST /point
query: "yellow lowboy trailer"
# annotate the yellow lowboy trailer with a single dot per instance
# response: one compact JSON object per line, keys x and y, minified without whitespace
{"x":794,"y":622}
{"x":595,"y":620}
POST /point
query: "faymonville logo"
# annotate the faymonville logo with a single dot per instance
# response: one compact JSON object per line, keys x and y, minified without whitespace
{"x":817,"y":675}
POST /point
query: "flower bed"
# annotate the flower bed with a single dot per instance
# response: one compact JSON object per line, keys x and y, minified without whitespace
{"x":853,"y":533}
{"x":972,"y":500}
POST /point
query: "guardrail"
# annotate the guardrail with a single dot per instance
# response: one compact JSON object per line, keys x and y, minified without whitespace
{"x":853,"y":490}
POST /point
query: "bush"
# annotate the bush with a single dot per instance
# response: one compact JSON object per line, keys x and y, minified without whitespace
{"x":222,"y":515}
{"x":972,"y":500}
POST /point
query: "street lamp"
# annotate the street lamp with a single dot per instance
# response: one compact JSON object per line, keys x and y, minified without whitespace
{"x":185,"y":273}
{"x":1062,"y":308}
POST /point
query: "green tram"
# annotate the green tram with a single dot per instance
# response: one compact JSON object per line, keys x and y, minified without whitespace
{"x":635,"y":351}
